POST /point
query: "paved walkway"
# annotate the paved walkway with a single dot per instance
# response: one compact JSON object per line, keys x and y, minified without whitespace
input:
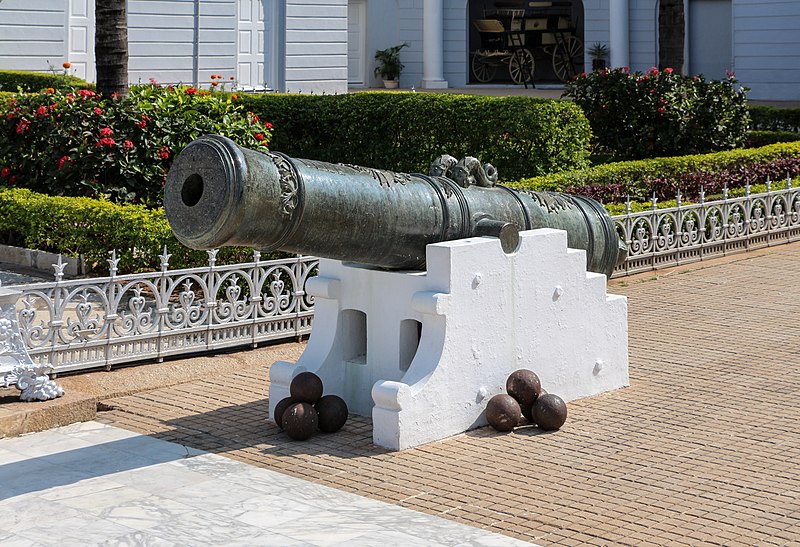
{"x":703,"y":448}
{"x":94,"y":484}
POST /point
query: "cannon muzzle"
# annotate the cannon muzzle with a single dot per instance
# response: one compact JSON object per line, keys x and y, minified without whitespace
{"x":218,"y":193}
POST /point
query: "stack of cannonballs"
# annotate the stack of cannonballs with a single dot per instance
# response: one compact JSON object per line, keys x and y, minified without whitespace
{"x":525,"y":398}
{"x":306,"y":410}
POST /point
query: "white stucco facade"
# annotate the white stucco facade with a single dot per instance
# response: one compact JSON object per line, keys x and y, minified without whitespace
{"x":324,"y":45}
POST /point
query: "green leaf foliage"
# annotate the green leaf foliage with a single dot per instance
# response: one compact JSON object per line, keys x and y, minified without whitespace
{"x":405,"y":131}
{"x":770,"y":118}
{"x":82,"y":144}
{"x":660,"y":113}
{"x":22,"y":80}
{"x":92,"y":227}
{"x":612,"y":182}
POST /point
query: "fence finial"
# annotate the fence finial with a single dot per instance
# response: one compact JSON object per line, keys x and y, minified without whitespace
{"x":165,"y":256}
{"x":59,"y":267}
{"x":113,"y":262}
{"x":212,"y":257}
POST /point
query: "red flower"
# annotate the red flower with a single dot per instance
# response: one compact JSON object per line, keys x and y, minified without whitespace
{"x":163,"y":152}
{"x":153,"y":81}
{"x":41,"y":111}
{"x":661,"y":110}
{"x":105,"y":141}
{"x":142,"y":124}
{"x":626,"y":69}
{"x":105,"y":132}
{"x":97,"y":110}
{"x":10,"y":116}
{"x":668,"y":70}
{"x":61,"y":161}
{"x":255,"y":118}
{"x":652,"y":70}
{"x":259,"y":136}
{"x":13,"y":179}
{"x":5,"y":172}
{"x":84,"y":93}
{"x":190,"y":90}
{"x":268,"y":125}
{"x":127,"y":145}
{"x":22,"y":126}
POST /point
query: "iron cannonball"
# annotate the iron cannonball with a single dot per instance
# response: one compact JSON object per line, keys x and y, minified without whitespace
{"x":524,"y":386}
{"x":332,"y":413}
{"x":280,"y":408}
{"x":527,"y":412}
{"x":300,"y":421}
{"x":503,"y":412}
{"x":306,"y":387}
{"x":549,"y":412}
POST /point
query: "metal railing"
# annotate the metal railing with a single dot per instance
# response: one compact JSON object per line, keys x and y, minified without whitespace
{"x":90,"y":323}
{"x":661,"y":238}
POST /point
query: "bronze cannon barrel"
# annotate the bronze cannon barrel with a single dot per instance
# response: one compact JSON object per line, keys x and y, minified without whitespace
{"x":218,"y":193}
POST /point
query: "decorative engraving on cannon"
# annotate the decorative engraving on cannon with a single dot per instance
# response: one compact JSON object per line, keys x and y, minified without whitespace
{"x":220,"y":194}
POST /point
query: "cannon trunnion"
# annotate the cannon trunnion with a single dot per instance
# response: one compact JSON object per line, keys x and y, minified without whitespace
{"x":218,"y":193}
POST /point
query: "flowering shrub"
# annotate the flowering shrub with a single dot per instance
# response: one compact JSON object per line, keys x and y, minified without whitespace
{"x":639,"y":179}
{"x":660,"y":113}
{"x":81,"y":144}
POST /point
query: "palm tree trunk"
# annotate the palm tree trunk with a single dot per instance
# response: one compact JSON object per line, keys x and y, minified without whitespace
{"x":671,"y":35}
{"x":111,"y":47}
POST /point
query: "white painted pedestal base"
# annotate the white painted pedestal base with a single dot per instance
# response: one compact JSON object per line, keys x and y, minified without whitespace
{"x":481,"y":313}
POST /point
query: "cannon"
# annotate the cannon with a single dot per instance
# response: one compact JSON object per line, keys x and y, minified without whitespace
{"x":218,"y":193}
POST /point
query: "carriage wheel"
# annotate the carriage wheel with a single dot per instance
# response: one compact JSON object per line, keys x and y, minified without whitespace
{"x":520,"y":66}
{"x":567,"y":57}
{"x":483,"y":68}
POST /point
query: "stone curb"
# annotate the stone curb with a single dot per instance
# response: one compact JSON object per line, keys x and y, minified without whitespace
{"x":41,"y":260}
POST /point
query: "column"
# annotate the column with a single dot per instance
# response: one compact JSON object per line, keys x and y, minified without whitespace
{"x":619,"y":33}
{"x":433,"y":45}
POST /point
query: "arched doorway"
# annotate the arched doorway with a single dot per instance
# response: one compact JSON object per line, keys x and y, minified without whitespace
{"x":519,"y":41}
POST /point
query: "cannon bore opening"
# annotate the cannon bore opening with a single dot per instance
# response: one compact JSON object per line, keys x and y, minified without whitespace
{"x":192,"y":190}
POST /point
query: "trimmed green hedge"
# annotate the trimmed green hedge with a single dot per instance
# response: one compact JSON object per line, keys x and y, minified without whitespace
{"x":11,"y":80}
{"x":756,"y":139}
{"x":665,"y":175}
{"x":771,"y":118}
{"x":92,"y":227}
{"x":520,"y":136}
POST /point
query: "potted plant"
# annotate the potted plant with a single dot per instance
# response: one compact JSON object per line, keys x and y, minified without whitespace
{"x":598,"y":52}
{"x":389,"y":65}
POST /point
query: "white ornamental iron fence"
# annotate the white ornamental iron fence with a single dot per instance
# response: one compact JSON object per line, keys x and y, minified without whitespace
{"x":90,"y":323}
{"x":662,"y":238}
{"x":99,"y":322}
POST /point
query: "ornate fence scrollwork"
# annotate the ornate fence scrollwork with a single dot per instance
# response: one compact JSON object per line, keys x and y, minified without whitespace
{"x":90,"y":323}
{"x":659,"y":238}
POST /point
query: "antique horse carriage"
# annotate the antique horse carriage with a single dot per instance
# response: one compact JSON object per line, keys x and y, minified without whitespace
{"x":512,"y":32}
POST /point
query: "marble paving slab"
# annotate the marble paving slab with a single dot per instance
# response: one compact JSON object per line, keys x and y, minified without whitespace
{"x":94,"y":484}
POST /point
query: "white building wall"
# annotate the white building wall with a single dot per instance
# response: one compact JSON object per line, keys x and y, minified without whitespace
{"x":766,"y":47}
{"x":316,"y":46}
{"x":595,"y":27}
{"x":33,"y":33}
{"x":643,"y":27}
{"x":410,"y":30}
{"x":456,"y":41}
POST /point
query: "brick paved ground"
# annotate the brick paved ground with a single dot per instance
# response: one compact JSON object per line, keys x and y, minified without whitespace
{"x":703,"y":448}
